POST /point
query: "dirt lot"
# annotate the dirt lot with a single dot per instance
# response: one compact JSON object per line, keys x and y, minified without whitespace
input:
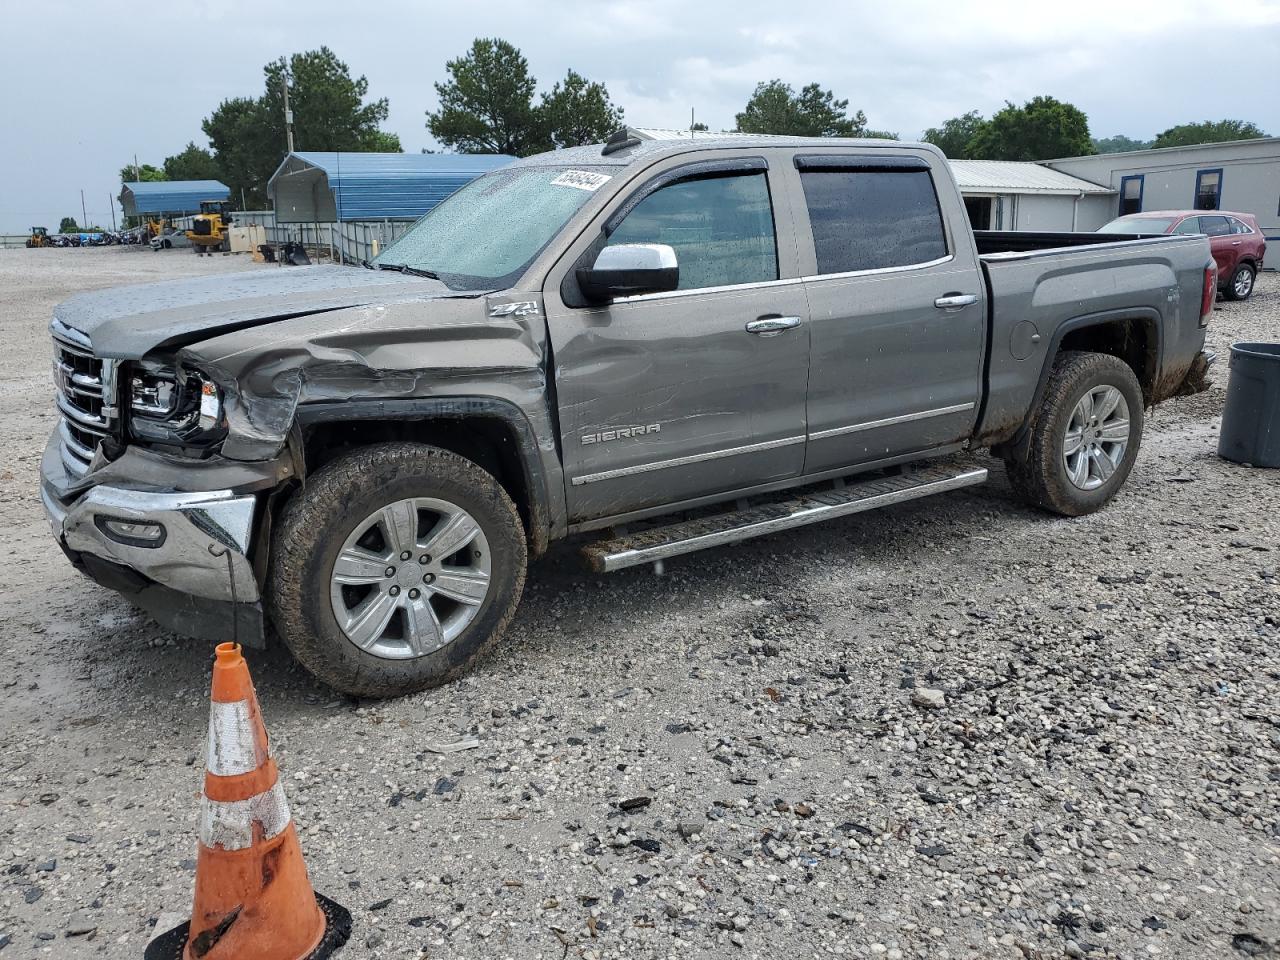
{"x":1103,"y":780}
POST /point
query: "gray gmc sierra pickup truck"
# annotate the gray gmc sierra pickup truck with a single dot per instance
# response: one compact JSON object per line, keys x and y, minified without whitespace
{"x":676,"y":343}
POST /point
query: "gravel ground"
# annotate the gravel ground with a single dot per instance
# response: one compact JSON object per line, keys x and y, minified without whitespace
{"x":956,"y":728}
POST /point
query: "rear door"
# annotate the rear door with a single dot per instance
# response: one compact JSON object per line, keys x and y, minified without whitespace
{"x":674,"y":396}
{"x":897,"y":306}
{"x":1221,"y":242}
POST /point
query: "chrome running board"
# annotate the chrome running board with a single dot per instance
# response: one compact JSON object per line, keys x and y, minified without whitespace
{"x":659,"y":543}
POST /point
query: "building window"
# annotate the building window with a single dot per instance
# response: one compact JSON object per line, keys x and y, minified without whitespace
{"x":1130,"y":195}
{"x":1208,"y":189}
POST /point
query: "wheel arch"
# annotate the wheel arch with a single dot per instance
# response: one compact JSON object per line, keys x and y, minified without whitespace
{"x":1132,"y":335}
{"x":492,"y":433}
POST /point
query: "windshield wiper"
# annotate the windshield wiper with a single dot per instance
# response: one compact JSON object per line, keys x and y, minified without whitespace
{"x":411,"y":271}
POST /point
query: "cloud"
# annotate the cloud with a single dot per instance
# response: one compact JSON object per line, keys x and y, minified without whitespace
{"x":101,"y":86}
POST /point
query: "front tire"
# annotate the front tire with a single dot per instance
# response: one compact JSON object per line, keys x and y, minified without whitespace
{"x":1241,"y":285}
{"x":395,"y":568}
{"x":1084,"y":441}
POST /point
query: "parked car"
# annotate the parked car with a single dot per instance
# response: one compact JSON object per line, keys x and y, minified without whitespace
{"x":1236,"y":241}
{"x":169,"y":237}
{"x":749,"y":335}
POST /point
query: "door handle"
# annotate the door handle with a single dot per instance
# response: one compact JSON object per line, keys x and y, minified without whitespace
{"x":953,"y":301}
{"x":1236,"y":243}
{"x":772,"y":326}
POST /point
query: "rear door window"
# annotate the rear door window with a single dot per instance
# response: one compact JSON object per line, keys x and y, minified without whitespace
{"x":1215,"y":226}
{"x":1189,"y":225}
{"x":870,"y":219}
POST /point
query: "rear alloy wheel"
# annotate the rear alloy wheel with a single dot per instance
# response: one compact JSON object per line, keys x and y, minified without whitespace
{"x":1241,"y":285}
{"x":1083,"y":442}
{"x":395,"y":568}
{"x":1097,"y":437}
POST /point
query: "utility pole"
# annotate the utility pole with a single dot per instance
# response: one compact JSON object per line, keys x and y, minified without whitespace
{"x":137,"y":170}
{"x":288,"y":114}
{"x":112,"y":204}
{"x":692,"y":124}
{"x":84,"y":217}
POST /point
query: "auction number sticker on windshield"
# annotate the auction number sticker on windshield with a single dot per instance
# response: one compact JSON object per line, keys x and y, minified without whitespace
{"x":582,"y":179}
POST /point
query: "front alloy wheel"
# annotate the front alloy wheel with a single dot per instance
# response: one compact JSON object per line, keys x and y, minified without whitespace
{"x":395,"y":567}
{"x":410,"y":578}
{"x":1097,"y":437}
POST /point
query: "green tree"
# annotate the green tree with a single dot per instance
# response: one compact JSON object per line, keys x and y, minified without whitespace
{"x":329,"y":113}
{"x":193,"y":163}
{"x":486,"y":105}
{"x":1120,"y":144}
{"x":1040,"y":129}
{"x":577,"y":112}
{"x":237,"y":131}
{"x":1210,"y":131}
{"x":144,"y":173}
{"x":776,"y":108}
{"x":69,"y":225}
{"x":878,"y":134}
{"x":955,"y":135}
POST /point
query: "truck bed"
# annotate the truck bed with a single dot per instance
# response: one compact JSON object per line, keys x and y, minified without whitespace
{"x":1040,"y":285}
{"x":1004,"y":242}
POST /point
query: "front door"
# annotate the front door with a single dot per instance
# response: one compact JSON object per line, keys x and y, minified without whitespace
{"x":897,"y":307}
{"x":675,"y":396}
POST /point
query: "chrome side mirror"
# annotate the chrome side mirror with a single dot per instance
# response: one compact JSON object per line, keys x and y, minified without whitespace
{"x":628,"y":269}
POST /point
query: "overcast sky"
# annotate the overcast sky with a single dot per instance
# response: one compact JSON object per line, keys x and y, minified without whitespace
{"x":92,"y":83}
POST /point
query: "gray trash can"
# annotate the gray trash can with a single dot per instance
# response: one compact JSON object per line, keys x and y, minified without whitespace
{"x":1251,"y":421}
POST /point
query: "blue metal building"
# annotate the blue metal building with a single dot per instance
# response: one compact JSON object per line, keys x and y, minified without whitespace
{"x":170,"y":196}
{"x":327,"y":187}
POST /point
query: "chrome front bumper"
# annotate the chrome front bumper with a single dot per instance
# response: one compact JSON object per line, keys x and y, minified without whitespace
{"x":204,"y":551}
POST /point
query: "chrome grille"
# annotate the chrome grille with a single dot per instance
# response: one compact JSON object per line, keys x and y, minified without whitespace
{"x":86,"y":389}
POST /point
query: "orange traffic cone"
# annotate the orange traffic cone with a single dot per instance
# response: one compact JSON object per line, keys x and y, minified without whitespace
{"x":253,"y":898}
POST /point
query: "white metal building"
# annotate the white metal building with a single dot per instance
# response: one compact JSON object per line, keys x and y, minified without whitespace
{"x":1242,"y":175}
{"x":1012,"y":195}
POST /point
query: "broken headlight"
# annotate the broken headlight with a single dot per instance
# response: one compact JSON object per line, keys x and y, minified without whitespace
{"x":175,"y":406}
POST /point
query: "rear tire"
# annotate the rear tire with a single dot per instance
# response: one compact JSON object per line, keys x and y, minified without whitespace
{"x":1240,"y":287}
{"x":1076,"y":474}
{"x":424,"y":641}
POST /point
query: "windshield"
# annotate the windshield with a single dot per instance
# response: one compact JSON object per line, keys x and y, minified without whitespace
{"x":486,"y":234}
{"x":1138,"y":225}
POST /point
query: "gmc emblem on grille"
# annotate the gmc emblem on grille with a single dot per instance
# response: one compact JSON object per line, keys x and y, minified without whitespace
{"x":618,"y":433}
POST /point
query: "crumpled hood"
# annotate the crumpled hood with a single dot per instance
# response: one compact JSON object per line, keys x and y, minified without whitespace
{"x":128,"y":322}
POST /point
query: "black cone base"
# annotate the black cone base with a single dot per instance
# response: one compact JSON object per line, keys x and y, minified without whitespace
{"x":337,"y":930}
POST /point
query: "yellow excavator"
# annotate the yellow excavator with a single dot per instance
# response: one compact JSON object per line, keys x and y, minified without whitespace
{"x":209,"y":227}
{"x":39,"y":238}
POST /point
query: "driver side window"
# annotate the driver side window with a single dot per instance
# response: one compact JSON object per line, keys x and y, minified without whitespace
{"x":720,"y":226}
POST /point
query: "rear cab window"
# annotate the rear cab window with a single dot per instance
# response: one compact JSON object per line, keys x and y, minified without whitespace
{"x":871,"y":213}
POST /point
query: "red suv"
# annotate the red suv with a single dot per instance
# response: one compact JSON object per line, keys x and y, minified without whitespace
{"x":1237,"y":243}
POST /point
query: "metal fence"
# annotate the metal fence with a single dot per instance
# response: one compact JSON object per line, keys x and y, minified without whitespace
{"x":343,"y":242}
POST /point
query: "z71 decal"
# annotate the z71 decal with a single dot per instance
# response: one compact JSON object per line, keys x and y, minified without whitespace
{"x":618,"y":433}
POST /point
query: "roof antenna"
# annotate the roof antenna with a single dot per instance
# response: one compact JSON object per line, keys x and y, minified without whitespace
{"x":622,"y":138}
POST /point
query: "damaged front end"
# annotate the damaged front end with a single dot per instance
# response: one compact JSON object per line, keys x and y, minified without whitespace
{"x":167,"y":465}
